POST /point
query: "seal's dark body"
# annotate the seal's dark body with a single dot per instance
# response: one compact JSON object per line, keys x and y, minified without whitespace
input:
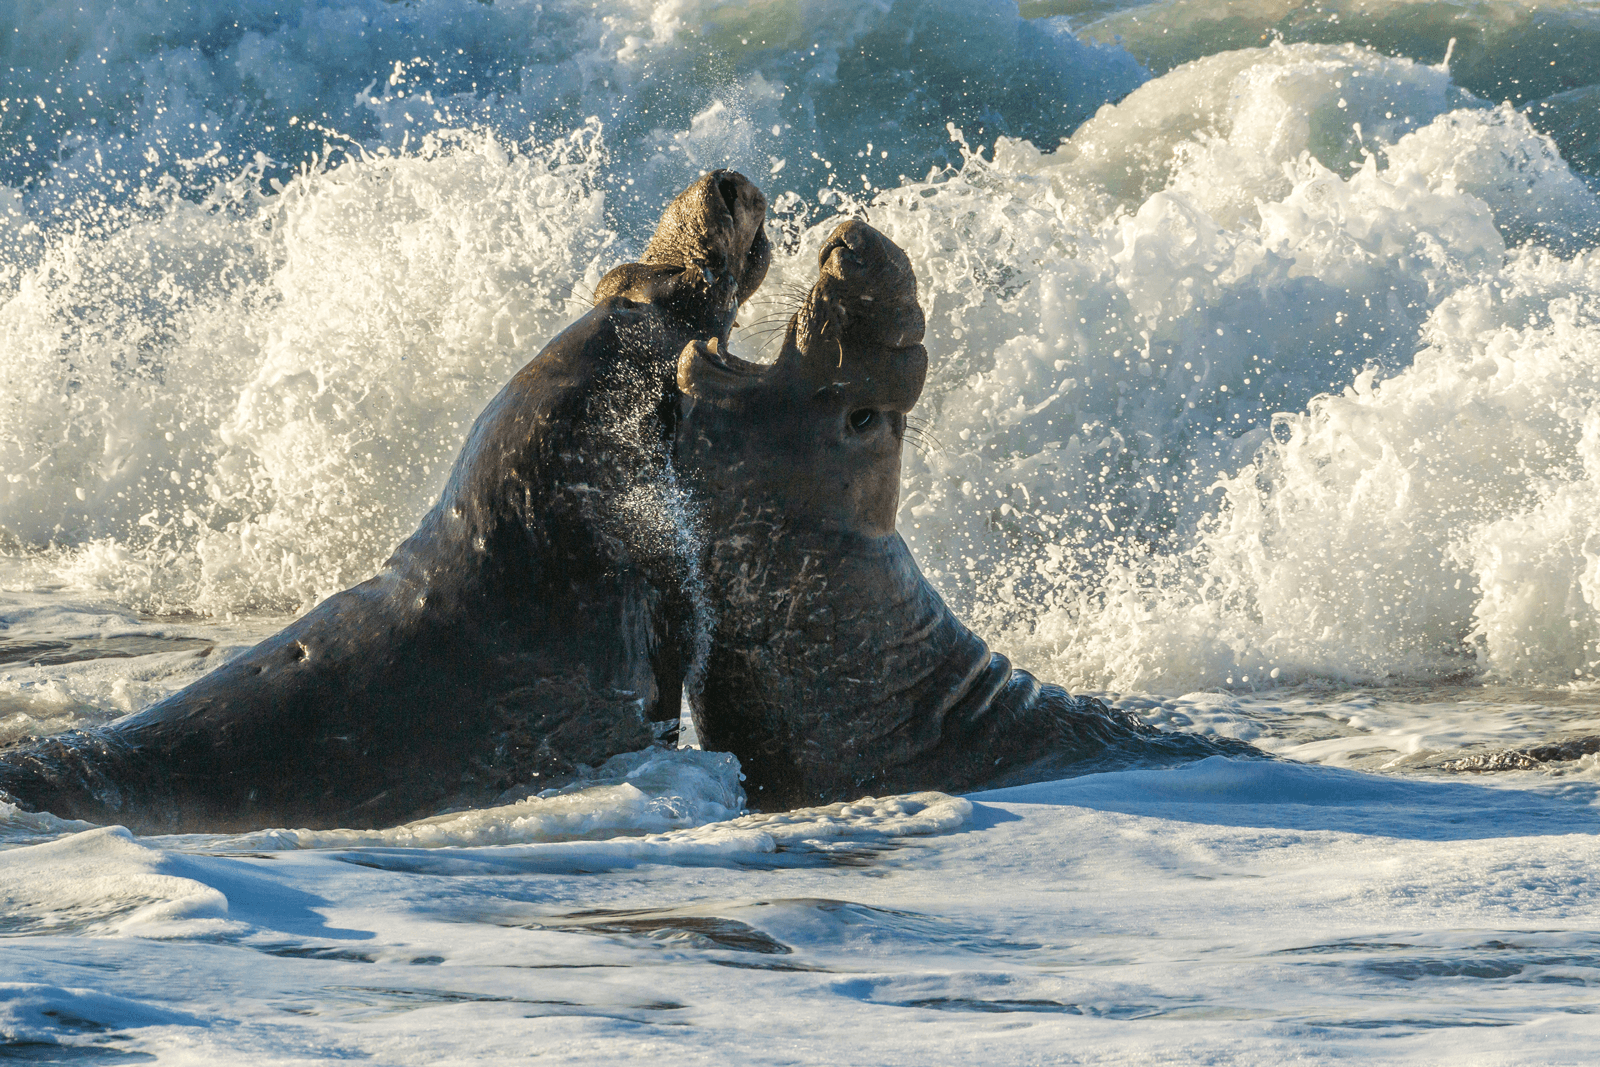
{"x":835,"y":669}
{"x":532,"y":623}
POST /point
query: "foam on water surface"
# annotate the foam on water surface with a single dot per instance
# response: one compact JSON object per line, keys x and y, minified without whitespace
{"x":1270,"y":909}
{"x":1151,"y":470}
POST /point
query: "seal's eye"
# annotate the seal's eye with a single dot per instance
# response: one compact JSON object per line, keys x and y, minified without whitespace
{"x":861,"y":418}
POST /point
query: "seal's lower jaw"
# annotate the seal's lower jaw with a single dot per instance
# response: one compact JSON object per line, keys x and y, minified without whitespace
{"x":718,"y":356}
{"x":707,"y":369}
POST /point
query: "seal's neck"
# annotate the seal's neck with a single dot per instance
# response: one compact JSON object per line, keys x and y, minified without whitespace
{"x":828,"y":646}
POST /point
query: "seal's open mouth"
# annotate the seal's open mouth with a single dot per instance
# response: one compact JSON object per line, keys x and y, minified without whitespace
{"x":717,"y":355}
{"x":854,"y":343}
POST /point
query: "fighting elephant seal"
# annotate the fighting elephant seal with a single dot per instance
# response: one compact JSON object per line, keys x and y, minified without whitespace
{"x":835,"y":668}
{"x":531,"y":623}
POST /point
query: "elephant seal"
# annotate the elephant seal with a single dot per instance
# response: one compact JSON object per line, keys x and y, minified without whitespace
{"x":835,"y":668}
{"x":535,"y":621}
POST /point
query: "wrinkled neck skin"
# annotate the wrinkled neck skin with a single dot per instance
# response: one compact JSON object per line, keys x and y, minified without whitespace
{"x":834,"y":665}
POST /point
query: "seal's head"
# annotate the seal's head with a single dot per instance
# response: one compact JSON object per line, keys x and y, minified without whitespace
{"x":709,"y":253}
{"x":814,"y":438}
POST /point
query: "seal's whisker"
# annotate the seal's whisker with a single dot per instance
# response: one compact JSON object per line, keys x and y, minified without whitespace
{"x":784,"y":307}
{"x":768,"y":298}
{"x":914,"y":434}
{"x":761,"y":336}
{"x":765,"y":319}
{"x":923,"y":439}
{"x":782,"y":295}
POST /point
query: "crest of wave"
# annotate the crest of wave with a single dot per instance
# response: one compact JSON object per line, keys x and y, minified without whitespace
{"x":1255,"y":240}
{"x":1436,"y":523}
{"x":245,"y":403}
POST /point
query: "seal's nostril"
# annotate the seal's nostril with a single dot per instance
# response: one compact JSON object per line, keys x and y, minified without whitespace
{"x":836,"y":243}
{"x":730,"y":194}
{"x":861,"y":418}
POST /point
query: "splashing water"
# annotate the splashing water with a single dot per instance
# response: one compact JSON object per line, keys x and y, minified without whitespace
{"x":1177,"y":421}
{"x":1187,"y":442}
{"x":243,"y":404}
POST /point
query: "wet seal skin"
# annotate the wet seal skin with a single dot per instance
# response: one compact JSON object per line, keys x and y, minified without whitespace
{"x":835,"y":669}
{"x":536,"y":620}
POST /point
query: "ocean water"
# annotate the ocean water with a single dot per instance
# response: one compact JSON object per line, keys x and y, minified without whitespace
{"x":1264,"y":401}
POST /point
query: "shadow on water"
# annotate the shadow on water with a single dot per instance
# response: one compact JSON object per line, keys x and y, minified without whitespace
{"x":782,"y":934}
{"x":609,"y":856}
{"x":50,"y":1052}
{"x":685,"y":931}
{"x":1525,"y":957}
{"x":56,"y":1052}
{"x":364,"y":1003}
{"x":53,"y":653}
{"x":266,"y":901}
{"x":1281,"y":794}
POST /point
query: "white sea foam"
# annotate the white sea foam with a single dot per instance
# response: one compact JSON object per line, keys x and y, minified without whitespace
{"x":99,"y":880}
{"x":261,"y":425}
{"x":1246,"y":907}
{"x":650,"y":792}
{"x":1108,"y":495}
